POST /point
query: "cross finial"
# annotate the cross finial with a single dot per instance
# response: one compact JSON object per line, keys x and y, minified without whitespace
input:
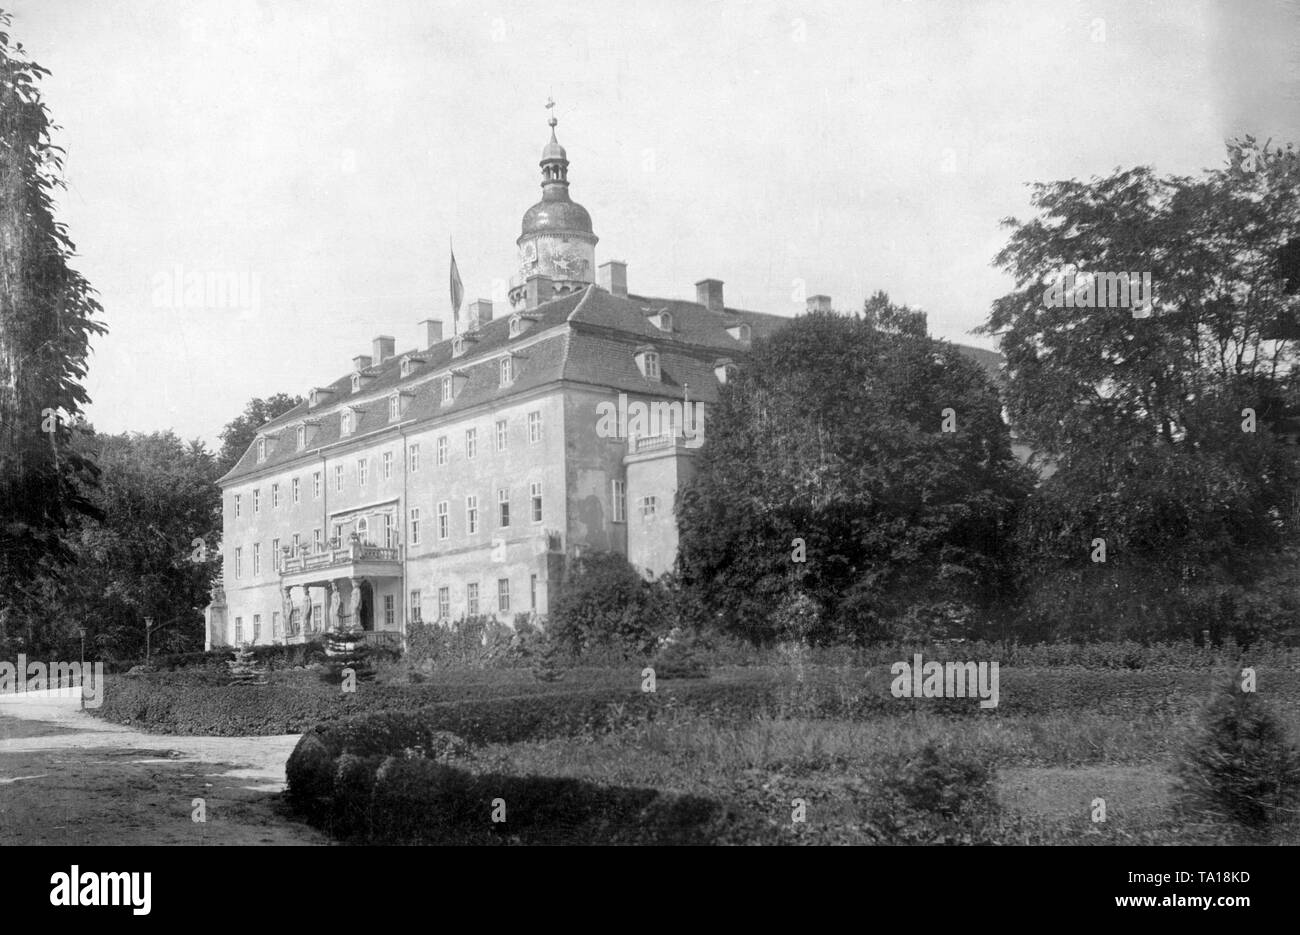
{"x":550,"y":106}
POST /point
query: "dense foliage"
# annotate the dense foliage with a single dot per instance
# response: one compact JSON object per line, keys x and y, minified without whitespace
{"x":830,"y":446}
{"x":1171,"y":436}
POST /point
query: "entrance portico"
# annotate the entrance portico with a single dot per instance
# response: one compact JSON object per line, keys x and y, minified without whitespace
{"x":347,"y":579}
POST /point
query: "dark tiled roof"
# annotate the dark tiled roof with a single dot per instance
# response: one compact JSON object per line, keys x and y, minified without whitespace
{"x":584,"y":337}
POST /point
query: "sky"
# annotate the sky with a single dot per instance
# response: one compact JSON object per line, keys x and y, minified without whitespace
{"x":318,"y":158}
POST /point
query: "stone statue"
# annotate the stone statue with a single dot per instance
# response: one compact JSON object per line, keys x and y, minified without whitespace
{"x":336,"y":605}
{"x":354,"y":605}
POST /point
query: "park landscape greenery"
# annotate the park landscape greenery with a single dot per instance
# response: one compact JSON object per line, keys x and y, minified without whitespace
{"x":856,"y":502}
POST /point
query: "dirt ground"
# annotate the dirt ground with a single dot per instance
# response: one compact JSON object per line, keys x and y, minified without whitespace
{"x":69,"y":778}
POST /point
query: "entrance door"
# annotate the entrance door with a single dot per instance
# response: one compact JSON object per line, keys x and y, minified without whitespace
{"x":367,"y":609}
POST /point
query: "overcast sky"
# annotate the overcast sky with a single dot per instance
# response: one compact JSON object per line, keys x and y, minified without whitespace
{"x":325,"y":153}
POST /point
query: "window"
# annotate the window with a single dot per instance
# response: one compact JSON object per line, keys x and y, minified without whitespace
{"x":257,"y":502}
{"x":275,"y":496}
{"x":296,"y":491}
{"x":275,"y":554}
{"x":620,"y":501}
{"x":406,"y":366}
{"x":532,"y":592}
{"x":471,"y":514}
{"x":442,"y":449}
{"x":238,"y":498}
{"x":502,"y":437}
{"x":389,"y":613}
{"x":457,"y":346}
{"x":415,"y":607}
{"x":345,"y":421}
{"x":318,"y":539}
{"x":443,"y":519}
{"x":275,"y":624}
{"x":503,"y":595}
{"x":516,"y":326}
{"x":363,"y":470}
{"x":394,"y":407}
{"x":239,"y":563}
{"x":257,"y":627}
{"x":651,"y":365}
{"x":648,"y":505}
{"x":444,"y":603}
{"x":507,"y":370}
{"x":534,"y":427}
{"x":257,"y":559}
{"x":296,"y":544}
{"x":446,"y":389}
{"x":535,"y":492}
{"x":503,"y":507}
{"x":471,"y":443}
{"x":315,"y":485}
{"x":415,"y":525}
{"x":471,"y":599}
{"x":338,"y":477}
{"x":301,"y":433}
{"x":386,"y":465}
{"x":239,"y":631}
{"x":363,"y":530}
{"x":415,"y":458}
{"x":390,"y":534}
{"x":338,"y":535}
{"x":261,"y":449}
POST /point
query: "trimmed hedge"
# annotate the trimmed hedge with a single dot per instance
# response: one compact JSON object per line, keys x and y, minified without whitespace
{"x":389,"y":778}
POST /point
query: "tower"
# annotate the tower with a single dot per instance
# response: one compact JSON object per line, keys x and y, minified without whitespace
{"x":557,"y":249}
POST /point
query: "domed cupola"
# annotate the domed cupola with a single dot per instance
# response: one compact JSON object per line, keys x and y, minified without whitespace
{"x":556,"y":240}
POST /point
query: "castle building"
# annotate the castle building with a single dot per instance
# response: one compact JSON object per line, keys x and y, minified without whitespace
{"x":456,"y":478}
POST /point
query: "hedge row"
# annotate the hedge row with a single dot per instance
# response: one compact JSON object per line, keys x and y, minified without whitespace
{"x":401,"y":778}
{"x":294,"y":702}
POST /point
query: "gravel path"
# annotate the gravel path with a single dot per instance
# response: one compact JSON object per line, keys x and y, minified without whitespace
{"x":69,"y":778}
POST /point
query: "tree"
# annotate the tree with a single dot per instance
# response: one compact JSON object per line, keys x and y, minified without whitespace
{"x":240,"y":432}
{"x":828,"y":471}
{"x":1170,"y":433}
{"x":47,"y":317}
{"x":156,"y":496}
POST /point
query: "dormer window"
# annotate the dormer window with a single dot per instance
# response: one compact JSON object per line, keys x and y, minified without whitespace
{"x":313,"y":398}
{"x":506,"y":370}
{"x":663,"y":321}
{"x":301,"y":434}
{"x":356,"y":383}
{"x":394,"y":407}
{"x":516,"y":326}
{"x":647,"y":361}
{"x":458,"y":345}
{"x":740,"y":331}
{"x":345,"y":422}
{"x":446,"y":389}
{"x":724,"y":370}
{"x":261,"y":449}
{"x":405,"y":366}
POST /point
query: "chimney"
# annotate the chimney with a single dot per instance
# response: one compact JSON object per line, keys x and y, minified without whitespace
{"x":383,"y":348}
{"x":613,"y":277}
{"x":432,"y":331}
{"x":708,"y":292}
{"x":819,"y":303}
{"x":539,"y":289}
{"x":480,"y":313}
{"x":360,"y":362}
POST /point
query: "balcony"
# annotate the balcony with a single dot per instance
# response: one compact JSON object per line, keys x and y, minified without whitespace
{"x":640,"y":444}
{"x":356,"y":559}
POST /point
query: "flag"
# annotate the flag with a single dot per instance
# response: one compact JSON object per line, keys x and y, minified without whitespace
{"x":457,"y":290}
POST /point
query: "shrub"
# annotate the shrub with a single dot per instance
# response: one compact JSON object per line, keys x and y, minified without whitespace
{"x":677,"y":660}
{"x":606,"y":603}
{"x":1239,"y":767}
{"x":935,"y":795}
